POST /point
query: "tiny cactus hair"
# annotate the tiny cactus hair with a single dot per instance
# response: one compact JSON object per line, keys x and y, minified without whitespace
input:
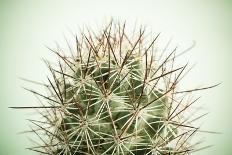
{"x":115,"y":95}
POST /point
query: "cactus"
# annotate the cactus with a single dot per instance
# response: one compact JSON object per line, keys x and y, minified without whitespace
{"x":112,"y":96}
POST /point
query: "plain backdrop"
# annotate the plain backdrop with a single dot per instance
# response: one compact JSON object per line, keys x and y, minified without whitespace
{"x":27,"y":25}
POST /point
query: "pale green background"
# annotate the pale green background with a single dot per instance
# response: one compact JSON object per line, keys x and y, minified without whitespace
{"x":27,"y":25}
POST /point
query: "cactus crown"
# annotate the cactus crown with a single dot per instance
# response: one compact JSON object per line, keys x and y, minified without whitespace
{"x":114,"y":95}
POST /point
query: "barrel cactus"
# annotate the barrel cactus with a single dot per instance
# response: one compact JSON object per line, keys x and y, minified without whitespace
{"x":113,"y":95}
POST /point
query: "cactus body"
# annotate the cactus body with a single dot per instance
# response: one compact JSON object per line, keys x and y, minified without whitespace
{"x":112,"y":96}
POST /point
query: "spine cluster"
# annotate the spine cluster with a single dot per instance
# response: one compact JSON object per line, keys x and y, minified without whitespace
{"x":115,"y":96}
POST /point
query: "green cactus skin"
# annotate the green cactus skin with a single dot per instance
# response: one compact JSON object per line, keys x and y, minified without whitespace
{"x":112,"y":109}
{"x":111,"y":97}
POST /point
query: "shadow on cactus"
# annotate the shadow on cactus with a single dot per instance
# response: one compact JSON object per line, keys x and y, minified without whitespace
{"x":114,"y":95}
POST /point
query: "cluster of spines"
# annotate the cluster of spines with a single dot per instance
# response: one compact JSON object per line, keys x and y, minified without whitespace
{"x":112,"y":96}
